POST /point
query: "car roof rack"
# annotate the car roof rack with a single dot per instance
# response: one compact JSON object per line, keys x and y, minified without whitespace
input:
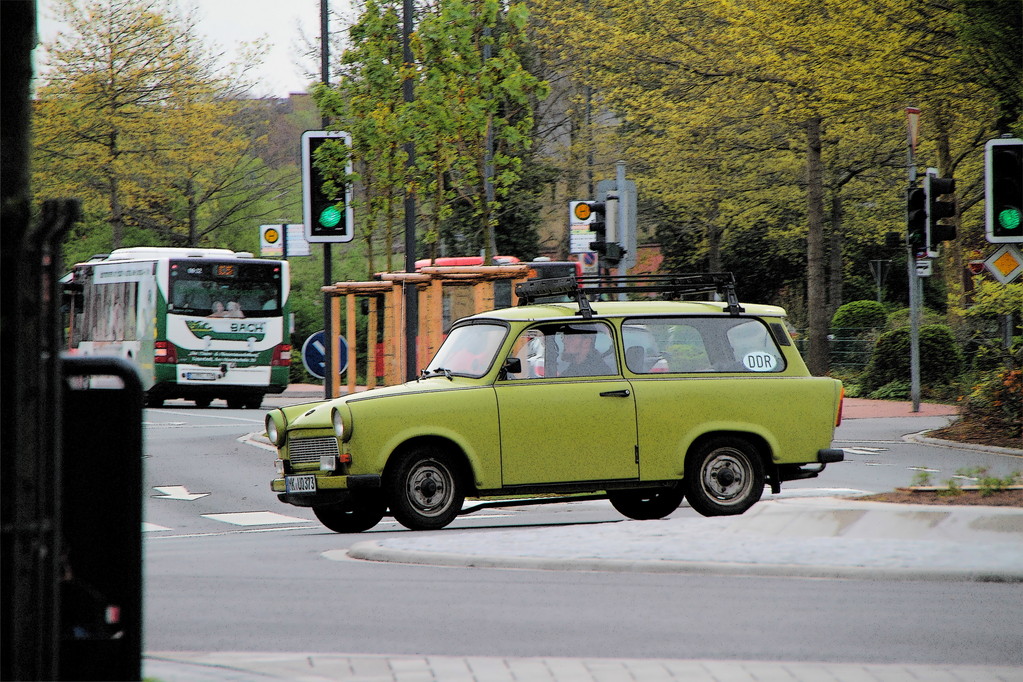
{"x":671,"y":287}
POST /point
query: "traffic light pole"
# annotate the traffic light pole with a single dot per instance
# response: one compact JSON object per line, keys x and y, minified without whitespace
{"x":915,"y":281}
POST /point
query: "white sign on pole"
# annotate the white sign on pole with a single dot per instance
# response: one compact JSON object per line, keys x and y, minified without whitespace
{"x":272,"y":240}
{"x":924,"y":268}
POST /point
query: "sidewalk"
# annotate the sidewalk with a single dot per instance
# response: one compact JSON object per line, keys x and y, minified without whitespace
{"x":239,"y":667}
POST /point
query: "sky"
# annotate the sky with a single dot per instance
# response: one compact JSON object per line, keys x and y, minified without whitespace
{"x":226,"y":23}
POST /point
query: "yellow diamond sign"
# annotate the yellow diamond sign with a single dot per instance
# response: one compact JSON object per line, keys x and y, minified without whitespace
{"x":1005,"y":264}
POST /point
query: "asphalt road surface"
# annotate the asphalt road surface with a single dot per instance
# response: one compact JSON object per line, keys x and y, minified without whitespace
{"x":229,"y":568}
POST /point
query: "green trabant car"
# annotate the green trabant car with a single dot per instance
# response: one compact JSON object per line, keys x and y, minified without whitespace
{"x":644,"y":402}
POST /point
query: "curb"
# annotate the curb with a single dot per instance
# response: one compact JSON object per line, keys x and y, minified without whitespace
{"x":920,"y":438}
{"x":374,"y":551}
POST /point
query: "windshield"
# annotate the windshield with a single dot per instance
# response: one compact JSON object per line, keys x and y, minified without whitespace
{"x":468,"y":350}
{"x":225,"y":289}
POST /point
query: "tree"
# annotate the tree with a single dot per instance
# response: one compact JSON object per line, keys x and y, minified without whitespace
{"x":368,"y":103}
{"x":466,"y":104}
{"x":132,"y":118}
{"x":740,"y":110}
{"x":473,"y":109}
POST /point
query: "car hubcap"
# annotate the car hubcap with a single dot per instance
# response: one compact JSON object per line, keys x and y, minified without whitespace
{"x":726,"y":476}
{"x":429,"y":488}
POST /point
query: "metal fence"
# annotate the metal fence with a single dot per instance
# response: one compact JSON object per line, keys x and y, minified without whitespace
{"x":847,"y":347}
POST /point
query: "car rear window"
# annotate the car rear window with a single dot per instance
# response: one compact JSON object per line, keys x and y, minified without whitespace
{"x":700,"y":344}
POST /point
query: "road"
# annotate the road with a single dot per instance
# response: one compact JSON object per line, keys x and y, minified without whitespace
{"x":228,"y":568}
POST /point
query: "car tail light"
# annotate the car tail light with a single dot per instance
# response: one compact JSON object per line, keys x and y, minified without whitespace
{"x":282,"y":355}
{"x":164,"y":353}
{"x":841,"y":404}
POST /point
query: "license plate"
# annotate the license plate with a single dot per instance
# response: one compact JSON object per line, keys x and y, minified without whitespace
{"x":201,"y":376}
{"x":300,"y":484}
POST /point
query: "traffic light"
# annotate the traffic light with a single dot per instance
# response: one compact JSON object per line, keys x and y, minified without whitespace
{"x":596,"y":213}
{"x":326,"y":196}
{"x":939,"y":209}
{"x":1003,"y":166}
{"x":916,"y":218}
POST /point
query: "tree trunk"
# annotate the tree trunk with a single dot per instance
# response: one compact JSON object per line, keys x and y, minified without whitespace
{"x":835,"y":255}
{"x":816,"y":280}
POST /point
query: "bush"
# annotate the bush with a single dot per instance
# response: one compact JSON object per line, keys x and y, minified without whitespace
{"x":940,"y":358}
{"x":997,"y":397}
{"x":900,"y":318}
{"x":859,"y":315}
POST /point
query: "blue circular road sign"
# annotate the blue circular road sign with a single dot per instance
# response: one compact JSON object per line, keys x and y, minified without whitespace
{"x":314,"y":354}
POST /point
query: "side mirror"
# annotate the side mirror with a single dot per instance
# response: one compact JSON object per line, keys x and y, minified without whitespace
{"x":511,"y":366}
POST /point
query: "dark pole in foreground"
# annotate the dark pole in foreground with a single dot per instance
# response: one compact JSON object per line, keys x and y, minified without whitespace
{"x":411,"y":293}
{"x":328,"y":330}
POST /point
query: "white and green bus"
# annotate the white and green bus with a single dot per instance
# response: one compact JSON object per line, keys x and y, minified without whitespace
{"x":199,"y":324}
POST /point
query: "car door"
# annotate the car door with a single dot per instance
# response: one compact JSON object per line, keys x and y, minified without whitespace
{"x":560,"y":427}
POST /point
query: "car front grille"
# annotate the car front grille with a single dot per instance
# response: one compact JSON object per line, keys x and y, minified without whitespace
{"x":309,"y":450}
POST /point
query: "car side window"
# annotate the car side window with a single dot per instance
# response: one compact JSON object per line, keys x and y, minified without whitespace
{"x":575,"y":349}
{"x":700,"y":344}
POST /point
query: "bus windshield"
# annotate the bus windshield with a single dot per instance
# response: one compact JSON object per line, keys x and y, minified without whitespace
{"x":224,"y":289}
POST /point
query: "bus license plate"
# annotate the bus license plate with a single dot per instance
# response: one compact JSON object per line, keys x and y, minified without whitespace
{"x":201,"y":376}
{"x":300,"y":484}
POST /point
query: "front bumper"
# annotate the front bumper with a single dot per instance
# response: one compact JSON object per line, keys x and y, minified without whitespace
{"x":329,"y":489}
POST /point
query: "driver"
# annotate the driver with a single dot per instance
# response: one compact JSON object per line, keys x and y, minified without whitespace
{"x":581,"y":354}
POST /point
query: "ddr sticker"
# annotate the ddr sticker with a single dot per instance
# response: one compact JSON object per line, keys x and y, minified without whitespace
{"x":760,"y":362}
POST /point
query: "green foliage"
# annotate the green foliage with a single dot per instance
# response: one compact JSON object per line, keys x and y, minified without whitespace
{"x":863,"y":315}
{"x":921,"y":478}
{"x":132,"y":118}
{"x":897,"y":389}
{"x":940,"y":359}
{"x":988,"y":483}
{"x":900,"y":318}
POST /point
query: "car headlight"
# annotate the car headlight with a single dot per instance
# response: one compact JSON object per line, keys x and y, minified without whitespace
{"x":339,"y":425}
{"x":275,"y":427}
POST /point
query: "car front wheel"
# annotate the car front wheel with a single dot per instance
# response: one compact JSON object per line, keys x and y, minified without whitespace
{"x":425,"y":490}
{"x":725,"y":476}
{"x":351,"y":516}
{"x":644,"y":505}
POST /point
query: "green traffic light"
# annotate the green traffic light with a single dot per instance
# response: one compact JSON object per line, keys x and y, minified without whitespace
{"x":330,"y":217}
{"x":1009,"y":218}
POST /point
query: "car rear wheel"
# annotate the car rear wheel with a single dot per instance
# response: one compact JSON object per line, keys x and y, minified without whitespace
{"x":724,"y":476}
{"x":352,"y":516}
{"x":644,"y":505}
{"x":425,"y":490}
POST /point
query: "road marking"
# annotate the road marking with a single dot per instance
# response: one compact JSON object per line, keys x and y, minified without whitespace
{"x":152,"y":527}
{"x":865,"y":451}
{"x":177,"y":492}
{"x":248,"y":420}
{"x":260,"y":518}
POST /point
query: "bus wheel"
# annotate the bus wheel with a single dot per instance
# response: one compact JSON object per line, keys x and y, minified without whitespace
{"x":202,"y":402}
{"x":254,"y":402}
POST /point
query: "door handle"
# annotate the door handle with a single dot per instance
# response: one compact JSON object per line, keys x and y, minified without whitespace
{"x":624,"y":393}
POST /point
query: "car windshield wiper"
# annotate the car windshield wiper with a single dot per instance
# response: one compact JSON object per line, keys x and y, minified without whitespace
{"x":437,"y":371}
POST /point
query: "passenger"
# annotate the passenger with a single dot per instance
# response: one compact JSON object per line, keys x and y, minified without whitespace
{"x":218,"y":310}
{"x":234,"y":309}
